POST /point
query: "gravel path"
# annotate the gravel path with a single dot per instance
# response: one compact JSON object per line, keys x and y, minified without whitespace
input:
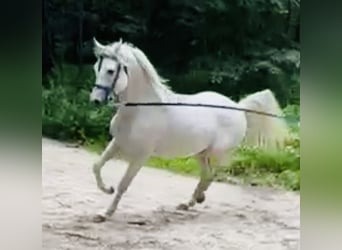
{"x":232,"y":217}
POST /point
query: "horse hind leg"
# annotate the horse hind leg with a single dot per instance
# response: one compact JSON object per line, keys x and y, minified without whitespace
{"x":222,"y":156}
{"x":206,"y":179}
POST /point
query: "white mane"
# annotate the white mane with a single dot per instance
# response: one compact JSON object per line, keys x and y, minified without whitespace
{"x":128,"y":54}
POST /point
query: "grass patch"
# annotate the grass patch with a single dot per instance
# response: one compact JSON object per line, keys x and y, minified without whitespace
{"x":249,"y":165}
{"x":265,"y":168}
{"x":187,"y":166}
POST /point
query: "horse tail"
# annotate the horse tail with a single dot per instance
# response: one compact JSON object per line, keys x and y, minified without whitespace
{"x":262,"y":130}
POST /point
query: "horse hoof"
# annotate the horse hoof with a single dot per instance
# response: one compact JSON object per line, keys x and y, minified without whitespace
{"x":183,"y":207}
{"x":200,"y":198}
{"x":111,"y":190}
{"x":99,"y":218}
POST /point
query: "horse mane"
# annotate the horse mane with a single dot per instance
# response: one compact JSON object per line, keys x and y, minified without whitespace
{"x":151,"y":73}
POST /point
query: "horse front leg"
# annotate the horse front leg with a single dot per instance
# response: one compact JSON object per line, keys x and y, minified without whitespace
{"x":126,"y":180}
{"x":112,"y":125}
{"x":107,"y":154}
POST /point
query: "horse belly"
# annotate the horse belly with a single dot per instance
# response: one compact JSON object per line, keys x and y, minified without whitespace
{"x":181,"y":146}
{"x":186,"y":137}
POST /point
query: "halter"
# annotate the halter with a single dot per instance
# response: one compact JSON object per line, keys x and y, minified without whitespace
{"x":106,"y":89}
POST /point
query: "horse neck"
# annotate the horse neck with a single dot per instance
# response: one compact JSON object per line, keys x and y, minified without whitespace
{"x":140,"y":90}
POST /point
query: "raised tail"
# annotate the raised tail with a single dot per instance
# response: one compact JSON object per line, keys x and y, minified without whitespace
{"x":262,"y":130}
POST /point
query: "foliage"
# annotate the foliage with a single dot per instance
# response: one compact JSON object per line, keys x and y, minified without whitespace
{"x":67,"y":113}
{"x":242,"y":45}
{"x":235,"y":77}
{"x":258,"y":166}
{"x":292,"y":112}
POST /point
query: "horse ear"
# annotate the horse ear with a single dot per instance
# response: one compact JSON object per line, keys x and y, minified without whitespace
{"x":119,"y":43}
{"x":97,"y":47}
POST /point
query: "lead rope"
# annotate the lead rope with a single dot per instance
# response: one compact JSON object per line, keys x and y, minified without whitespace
{"x":135,"y":104}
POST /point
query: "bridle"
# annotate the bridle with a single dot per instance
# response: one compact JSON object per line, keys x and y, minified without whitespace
{"x":110,"y":89}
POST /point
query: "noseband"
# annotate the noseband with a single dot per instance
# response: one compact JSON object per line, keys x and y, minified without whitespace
{"x":106,"y":89}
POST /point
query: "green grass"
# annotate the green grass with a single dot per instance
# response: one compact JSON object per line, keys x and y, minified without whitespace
{"x":187,"y":166}
{"x":267,"y":168}
{"x":252,"y":166}
{"x":255,"y":167}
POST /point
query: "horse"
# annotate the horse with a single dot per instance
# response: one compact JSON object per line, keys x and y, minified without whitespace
{"x":141,"y":132}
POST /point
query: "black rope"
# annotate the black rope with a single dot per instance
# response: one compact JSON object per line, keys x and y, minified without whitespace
{"x":134,"y":104}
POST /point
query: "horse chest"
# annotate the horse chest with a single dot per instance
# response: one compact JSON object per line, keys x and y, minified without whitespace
{"x":136,"y":137}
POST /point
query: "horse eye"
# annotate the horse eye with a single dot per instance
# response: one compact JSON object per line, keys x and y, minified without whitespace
{"x":110,"y":72}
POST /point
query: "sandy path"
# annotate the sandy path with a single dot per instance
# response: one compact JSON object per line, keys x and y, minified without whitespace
{"x":232,"y":217}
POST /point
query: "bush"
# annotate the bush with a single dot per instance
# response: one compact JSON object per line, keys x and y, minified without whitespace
{"x":259,"y":166}
{"x":67,"y":113}
{"x":292,"y":112}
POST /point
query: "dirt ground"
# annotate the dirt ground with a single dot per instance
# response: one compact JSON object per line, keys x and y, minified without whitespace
{"x":232,"y":217}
